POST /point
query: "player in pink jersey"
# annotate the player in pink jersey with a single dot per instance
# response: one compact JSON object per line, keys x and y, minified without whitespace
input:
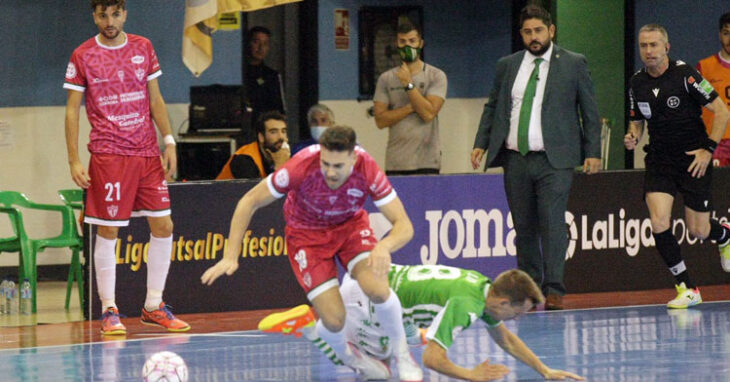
{"x":327,"y":185}
{"x":118,"y":73}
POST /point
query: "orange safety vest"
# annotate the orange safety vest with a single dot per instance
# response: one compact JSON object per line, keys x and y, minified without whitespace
{"x":717,"y":73}
{"x":251,"y":150}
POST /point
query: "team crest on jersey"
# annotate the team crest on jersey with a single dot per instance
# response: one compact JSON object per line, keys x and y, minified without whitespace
{"x":301,"y":258}
{"x":333,"y":199}
{"x":140,"y":74}
{"x":673,"y":102}
{"x":71,"y":70}
{"x":120,"y":74}
{"x":112,"y":210}
{"x":282,"y":178}
{"x":307,"y":279}
{"x":137,"y":59}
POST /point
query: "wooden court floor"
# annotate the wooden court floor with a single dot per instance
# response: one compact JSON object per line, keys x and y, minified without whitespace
{"x":77,"y":332}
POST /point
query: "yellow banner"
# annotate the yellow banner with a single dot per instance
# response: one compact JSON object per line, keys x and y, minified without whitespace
{"x":201,"y":20}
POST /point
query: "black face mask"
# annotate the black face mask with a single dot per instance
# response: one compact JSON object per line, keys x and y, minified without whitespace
{"x":409,"y":53}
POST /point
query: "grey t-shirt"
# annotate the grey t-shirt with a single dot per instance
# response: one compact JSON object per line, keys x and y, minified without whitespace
{"x":412,"y":143}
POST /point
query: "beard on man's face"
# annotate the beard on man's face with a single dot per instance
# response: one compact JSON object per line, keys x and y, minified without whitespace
{"x":537,"y":48}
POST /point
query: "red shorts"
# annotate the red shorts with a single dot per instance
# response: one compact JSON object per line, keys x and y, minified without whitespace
{"x":124,"y":186}
{"x":312,"y":252}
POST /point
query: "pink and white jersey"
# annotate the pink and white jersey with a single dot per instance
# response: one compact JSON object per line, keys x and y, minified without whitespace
{"x":311,"y":204}
{"x":117,"y":99}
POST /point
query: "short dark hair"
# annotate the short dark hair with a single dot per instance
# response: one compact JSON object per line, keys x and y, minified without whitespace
{"x":533,"y":11}
{"x":268,"y":115}
{"x":517,"y":286}
{"x":108,"y":3}
{"x":257,"y":29}
{"x":338,"y":138}
{"x":405,"y":25}
{"x":724,"y":20}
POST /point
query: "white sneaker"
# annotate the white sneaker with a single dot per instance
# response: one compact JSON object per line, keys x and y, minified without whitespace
{"x":368,"y":367}
{"x":408,"y":369}
{"x":685,"y":297}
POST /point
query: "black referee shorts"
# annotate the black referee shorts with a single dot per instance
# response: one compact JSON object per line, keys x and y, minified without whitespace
{"x":673,"y":178}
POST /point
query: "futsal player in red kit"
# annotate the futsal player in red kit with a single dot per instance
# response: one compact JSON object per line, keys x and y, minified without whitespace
{"x":117,"y":72}
{"x":326,"y":186}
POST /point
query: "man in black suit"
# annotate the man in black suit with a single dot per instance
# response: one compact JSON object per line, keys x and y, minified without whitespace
{"x":531,"y":126}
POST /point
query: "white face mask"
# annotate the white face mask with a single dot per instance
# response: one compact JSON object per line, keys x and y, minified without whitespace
{"x":317,"y":131}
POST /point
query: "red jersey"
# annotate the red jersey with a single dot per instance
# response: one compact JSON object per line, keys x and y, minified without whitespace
{"x":311,"y":204}
{"x":117,"y":99}
{"x":716,"y":70}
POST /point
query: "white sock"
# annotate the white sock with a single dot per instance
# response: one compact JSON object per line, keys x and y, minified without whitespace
{"x":390,"y":316}
{"x":311,"y":334}
{"x":105,"y":266}
{"x":335,"y":340}
{"x":158,"y":265}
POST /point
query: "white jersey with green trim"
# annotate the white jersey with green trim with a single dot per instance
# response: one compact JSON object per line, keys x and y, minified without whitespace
{"x":446,"y":300}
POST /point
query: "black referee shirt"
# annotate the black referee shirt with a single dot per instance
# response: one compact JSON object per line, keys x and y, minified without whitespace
{"x":672,"y":105}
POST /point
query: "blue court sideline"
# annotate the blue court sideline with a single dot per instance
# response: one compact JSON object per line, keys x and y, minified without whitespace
{"x":646,"y":343}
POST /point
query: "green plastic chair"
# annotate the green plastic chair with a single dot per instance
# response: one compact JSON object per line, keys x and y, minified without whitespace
{"x":74,"y":198}
{"x":12,"y":203}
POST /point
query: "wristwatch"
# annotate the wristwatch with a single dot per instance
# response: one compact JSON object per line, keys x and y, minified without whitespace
{"x":410,"y":86}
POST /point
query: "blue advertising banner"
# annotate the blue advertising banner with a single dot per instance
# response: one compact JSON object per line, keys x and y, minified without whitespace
{"x":459,"y":220}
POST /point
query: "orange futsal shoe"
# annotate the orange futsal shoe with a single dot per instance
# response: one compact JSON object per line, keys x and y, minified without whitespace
{"x":289,"y":322}
{"x":163,"y":317}
{"x":110,"y":323}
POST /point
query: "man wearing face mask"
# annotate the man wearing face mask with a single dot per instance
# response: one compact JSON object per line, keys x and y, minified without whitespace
{"x":260,"y":158}
{"x":532,"y":127}
{"x":319,"y":118}
{"x":407,"y":100}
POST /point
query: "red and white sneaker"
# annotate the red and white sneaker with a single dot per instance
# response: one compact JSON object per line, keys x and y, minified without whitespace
{"x":290,"y":321}
{"x":110,"y":323}
{"x":163,"y":317}
{"x":369,"y":368}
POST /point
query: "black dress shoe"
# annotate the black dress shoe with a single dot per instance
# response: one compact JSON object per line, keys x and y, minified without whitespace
{"x":554,"y":302}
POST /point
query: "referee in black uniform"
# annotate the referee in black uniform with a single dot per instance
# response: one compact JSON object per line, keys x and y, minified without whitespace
{"x":669,"y":95}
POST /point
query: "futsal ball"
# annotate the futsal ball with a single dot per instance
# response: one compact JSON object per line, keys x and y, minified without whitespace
{"x":165,"y":366}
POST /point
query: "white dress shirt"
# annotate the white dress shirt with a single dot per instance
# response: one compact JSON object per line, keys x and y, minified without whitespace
{"x":518,"y":91}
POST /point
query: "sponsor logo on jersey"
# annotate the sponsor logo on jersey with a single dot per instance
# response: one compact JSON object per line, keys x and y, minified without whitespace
{"x":656,"y":92}
{"x":132,"y":96}
{"x":704,"y":88}
{"x":301,"y":258}
{"x":673,"y":102}
{"x":120,"y":74}
{"x":307,"y":278}
{"x":282,"y":178}
{"x":137,"y":59}
{"x":645,"y":109}
{"x":98,"y":80}
{"x":70,"y":70}
{"x":355,"y":192}
{"x":107,"y":100}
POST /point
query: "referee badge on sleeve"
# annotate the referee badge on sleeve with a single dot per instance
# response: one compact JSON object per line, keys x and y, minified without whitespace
{"x":645,"y":109}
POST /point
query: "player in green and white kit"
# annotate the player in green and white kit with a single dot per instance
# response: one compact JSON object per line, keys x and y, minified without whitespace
{"x":446,"y":300}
